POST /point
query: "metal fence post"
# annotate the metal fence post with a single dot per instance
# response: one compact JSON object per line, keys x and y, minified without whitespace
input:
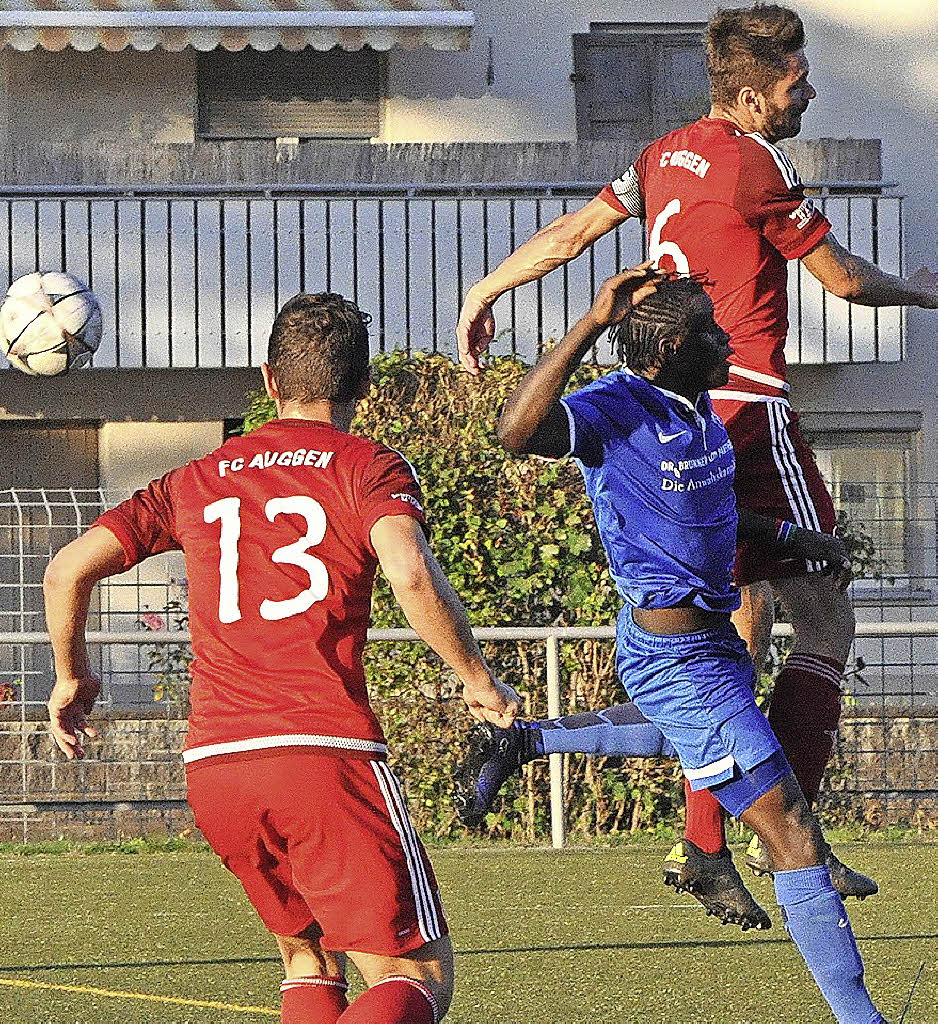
{"x":558,"y":831}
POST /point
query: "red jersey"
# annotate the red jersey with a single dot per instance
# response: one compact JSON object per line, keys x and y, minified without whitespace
{"x":730,"y":207}
{"x":275,"y":528}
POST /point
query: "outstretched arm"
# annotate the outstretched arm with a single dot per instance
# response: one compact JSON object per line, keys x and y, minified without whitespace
{"x":797,"y":542}
{"x":69,"y":579}
{"x":533,"y":421}
{"x":558,"y":243}
{"x":434,"y":610}
{"x":857,"y":280}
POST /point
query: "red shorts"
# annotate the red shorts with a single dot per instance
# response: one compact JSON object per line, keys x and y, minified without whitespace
{"x":776,"y":474}
{"x":324,"y":841}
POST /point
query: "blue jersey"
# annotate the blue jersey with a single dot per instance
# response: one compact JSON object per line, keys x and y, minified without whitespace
{"x":659,"y":472}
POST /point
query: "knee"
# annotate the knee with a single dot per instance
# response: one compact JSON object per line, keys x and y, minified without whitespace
{"x":304,"y":958}
{"x":828,"y":629}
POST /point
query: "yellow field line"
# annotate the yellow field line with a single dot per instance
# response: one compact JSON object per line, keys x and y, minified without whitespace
{"x":87,"y":990}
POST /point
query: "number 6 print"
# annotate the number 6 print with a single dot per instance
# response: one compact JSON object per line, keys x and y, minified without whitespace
{"x":228,"y":510}
{"x":657,"y":248}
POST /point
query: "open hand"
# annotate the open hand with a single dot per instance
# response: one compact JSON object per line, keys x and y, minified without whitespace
{"x":619,"y":294}
{"x":69,"y":705}
{"x":494,"y":702}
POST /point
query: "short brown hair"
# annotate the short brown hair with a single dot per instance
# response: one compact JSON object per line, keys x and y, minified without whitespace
{"x":318,"y":348}
{"x":750,"y":46}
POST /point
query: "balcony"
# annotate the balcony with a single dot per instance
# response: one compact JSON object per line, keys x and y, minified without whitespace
{"x":192,"y":276}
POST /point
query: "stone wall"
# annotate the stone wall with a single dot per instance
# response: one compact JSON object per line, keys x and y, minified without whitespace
{"x":134,"y":782}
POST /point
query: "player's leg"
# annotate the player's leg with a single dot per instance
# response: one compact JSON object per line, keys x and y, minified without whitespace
{"x":754,"y":620}
{"x":495,"y":754}
{"x":314,"y":987}
{"x":703,"y":850}
{"x":413,"y":989}
{"x":813,"y":909}
{"x":778,"y":476}
{"x":806,"y":700}
{"x":238,"y":807}
{"x":366,"y":873}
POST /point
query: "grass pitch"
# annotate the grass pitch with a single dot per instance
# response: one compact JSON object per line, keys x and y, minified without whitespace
{"x":576,"y":937}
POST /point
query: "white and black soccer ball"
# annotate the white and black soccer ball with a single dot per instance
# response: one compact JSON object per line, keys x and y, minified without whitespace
{"x":49,"y":323}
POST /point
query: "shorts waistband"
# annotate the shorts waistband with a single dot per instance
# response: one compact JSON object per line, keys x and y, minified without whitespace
{"x":629,"y":626}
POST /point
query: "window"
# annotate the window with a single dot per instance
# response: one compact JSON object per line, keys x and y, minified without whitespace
{"x":309,"y":94}
{"x":636,"y":82}
{"x":870,"y":474}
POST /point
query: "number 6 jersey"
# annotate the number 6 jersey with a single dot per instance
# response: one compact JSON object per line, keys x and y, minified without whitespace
{"x":275,"y":528}
{"x":730,"y":207}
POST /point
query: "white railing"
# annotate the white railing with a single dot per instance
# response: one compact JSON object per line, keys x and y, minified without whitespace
{"x":192,"y":276}
{"x":551,"y":636}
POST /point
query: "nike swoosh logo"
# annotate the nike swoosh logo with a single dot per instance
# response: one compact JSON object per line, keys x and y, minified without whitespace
{"x":842,"y":923}
{"x":664,"y":438}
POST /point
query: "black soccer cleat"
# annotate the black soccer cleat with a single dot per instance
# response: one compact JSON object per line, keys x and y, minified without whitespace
{"x":712,"y":879}
{"x":494,"y":756}
{"x":846,"y":881}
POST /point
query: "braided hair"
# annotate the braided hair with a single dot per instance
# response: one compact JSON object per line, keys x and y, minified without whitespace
{"x":648,"y":337}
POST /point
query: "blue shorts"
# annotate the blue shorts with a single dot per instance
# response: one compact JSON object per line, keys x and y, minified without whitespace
{"x":698,"y":689}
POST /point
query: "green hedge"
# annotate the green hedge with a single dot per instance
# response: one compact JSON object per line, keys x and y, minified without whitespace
{"x":516,"y":538}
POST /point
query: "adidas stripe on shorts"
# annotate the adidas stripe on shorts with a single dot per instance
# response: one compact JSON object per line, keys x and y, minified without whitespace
{"x":321,"y":841}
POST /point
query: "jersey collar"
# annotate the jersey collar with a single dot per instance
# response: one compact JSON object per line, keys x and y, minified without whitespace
{"x":725,"y":123}
{"x":686,"y":402}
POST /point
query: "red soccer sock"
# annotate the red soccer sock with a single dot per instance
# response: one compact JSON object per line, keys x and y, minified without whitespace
{"x":804,"y":714}
{"x":704,"y":825}
{"x":394,"y":1000}
{"x":312,"y":1000}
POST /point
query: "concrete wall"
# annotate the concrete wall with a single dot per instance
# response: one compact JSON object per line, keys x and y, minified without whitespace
{"x":132,"y":454}
{"x":118,"y":99}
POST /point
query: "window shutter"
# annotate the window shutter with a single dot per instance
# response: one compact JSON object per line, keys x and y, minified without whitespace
{"x":637,"y":85}
{"x":613,"y":86}
{"x":308,"y":94}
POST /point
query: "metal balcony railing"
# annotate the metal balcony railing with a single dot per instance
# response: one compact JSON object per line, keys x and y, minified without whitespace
{"x":192,"y":277}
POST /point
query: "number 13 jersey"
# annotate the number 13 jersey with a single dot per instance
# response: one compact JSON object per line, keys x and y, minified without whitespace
{"x":730,"y":207}
{"x":275,"y":528}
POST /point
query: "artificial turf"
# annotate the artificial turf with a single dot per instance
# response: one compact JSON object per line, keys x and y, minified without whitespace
{"x":542,"y":937}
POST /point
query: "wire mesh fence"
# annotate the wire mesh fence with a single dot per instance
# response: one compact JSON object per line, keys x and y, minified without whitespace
{"x":886,"y":767}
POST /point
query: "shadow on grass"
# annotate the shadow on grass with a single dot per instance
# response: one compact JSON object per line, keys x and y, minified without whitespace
{"x":579,"y":948}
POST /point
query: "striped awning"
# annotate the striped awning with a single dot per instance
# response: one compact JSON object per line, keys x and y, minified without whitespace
{"x":234,"y":24}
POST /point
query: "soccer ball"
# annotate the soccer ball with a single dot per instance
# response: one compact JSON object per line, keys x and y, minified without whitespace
{"x":49,"y":323}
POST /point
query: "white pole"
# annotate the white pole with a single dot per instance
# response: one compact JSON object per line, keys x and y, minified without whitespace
{"x":558,"y":832}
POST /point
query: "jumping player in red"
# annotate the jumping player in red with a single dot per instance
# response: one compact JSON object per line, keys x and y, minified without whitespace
{"x":722,"y":202}
{"x":286,"y":764}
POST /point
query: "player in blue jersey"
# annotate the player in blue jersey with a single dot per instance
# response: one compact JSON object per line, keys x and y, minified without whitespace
{"x":659,"y":469}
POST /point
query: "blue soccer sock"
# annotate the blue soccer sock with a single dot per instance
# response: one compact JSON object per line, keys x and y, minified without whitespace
{"x":818,"y":924}
{"x":619,"y":731}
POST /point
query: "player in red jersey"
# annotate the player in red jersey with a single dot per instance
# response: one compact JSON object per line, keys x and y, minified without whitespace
{"x":720,"y":200}
{"x":286,"y":768}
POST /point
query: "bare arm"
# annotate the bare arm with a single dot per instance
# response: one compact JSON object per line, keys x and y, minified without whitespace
{"x":857,"y":280}
{"x":558,"y":243}
{"x":69,"y":579}
{"x":533,"y":421}
{"x":434,"y":610}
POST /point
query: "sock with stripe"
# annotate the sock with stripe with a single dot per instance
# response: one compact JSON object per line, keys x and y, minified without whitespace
{"x":817,"y":922}
{"x":395,"y":1000}
{"x":618,"y":731}
{"x":705,"y":822}
{"x":805,"y":713}
{"x":313,"y":1000}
